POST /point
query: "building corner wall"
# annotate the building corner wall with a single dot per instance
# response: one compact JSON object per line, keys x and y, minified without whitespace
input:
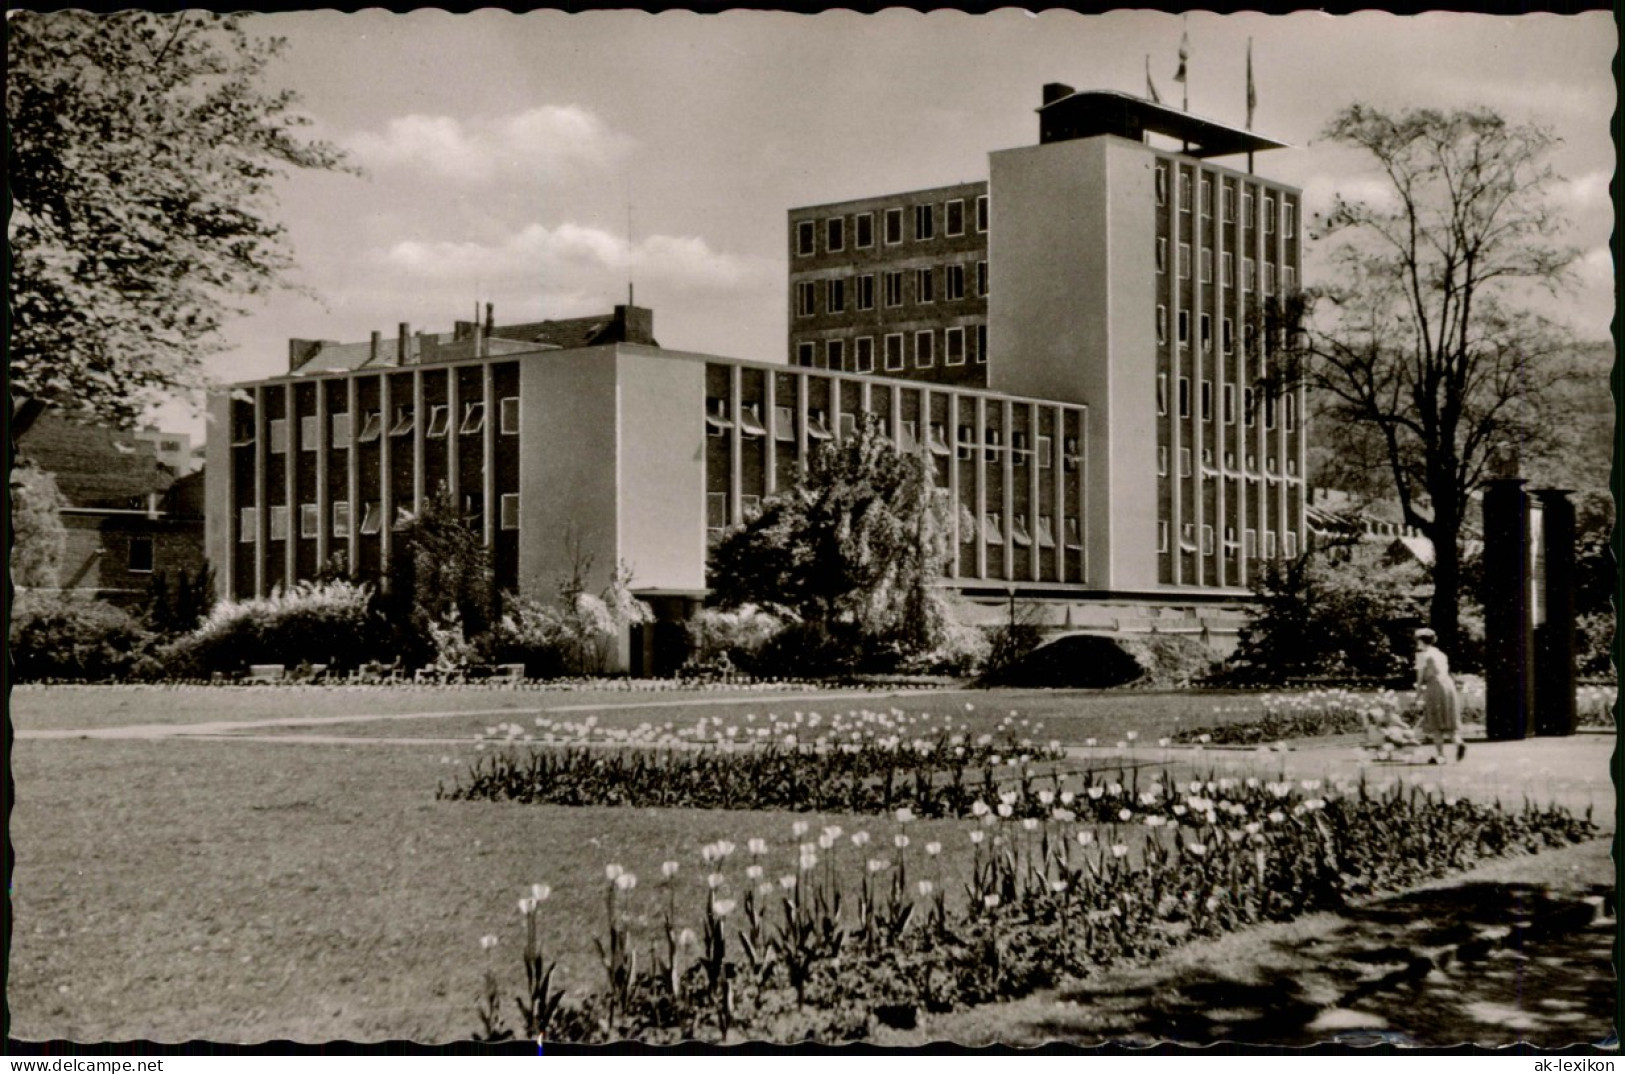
{"x":217,"y":500}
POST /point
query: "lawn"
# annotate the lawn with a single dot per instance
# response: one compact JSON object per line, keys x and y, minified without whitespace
{"x":247,"y":890}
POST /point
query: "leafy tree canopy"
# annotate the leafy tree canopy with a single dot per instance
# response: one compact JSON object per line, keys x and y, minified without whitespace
{"x":39,"y":540}
{"x":142,"y":162}
{"x":854,"y":547}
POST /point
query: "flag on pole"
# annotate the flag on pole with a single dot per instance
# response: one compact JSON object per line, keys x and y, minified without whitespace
{"x":1184,"y":54}
{"x":1252,"y":94}
{"x":1150,"y":86}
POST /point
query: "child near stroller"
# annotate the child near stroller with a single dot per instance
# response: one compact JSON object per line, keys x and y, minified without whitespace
{"x":1390,"y":737}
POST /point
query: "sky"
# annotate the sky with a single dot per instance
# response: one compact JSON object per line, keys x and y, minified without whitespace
{"x":543,"y":161}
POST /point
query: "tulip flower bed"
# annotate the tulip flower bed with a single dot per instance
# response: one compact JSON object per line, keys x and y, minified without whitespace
{"x":859,"y":762}
{"x":778,"y":942}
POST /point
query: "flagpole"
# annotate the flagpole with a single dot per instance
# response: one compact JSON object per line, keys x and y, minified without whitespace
{"x":1252,"y":100}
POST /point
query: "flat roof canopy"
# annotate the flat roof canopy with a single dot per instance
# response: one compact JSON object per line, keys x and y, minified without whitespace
{"x":1094,"y":112}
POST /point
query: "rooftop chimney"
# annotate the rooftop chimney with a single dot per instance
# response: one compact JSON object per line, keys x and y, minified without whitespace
{"x":403,"y":344}
{"x":374,"y":347}
{"x":1054,"y":91}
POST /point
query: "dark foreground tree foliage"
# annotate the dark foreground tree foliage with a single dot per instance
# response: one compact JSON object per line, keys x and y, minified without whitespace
{"x":850,"y":553}
{"x":142,"y":157}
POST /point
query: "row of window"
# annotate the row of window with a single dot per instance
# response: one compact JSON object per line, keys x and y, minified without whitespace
{"x":1288,"y":210}
{"x":1288,"y":404}
{"x":1277,"y":340}
{"x":1271,"y":466}
{"x":372,"y":518}
{"x":861,"y":227}
{"x":1247,"y":546}
{"x":959,"y":345}
{"x":1227,"y":266}
{"x":1023,"y":447}
{"x":372,"y":427}
{"x":858,"y":292}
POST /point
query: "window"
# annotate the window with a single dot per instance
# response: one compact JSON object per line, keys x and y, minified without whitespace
{"x":953,"y":344}
{"x":716,"y":511}
{"x":1162,"y":254}
{"x":835,"y":296}
{"x":1269,"y":410}
{"x":1162,"y":324}
{"x":1228,"y":331}
{"x":1269,"y":214}
{"x":924,"y":291}
{"x":866,"y":354}
{"x":1289,"y":411}
{"x":341,"y":518}
{"x":805,"y":353}
{"x":894,"y":351}
{"x":818,"y":425}
{"x":403,"y":517}
{"x":1184,"y":329}
{"x":510,"y":415}
{"x":866,"y":292}
{"x":750,"y":420}
{"x":893,"y":285}
{"x":1207,"y":196}
{"x":1020,"y":448}
{"x":1246,"y":208}
{"x":508,"y":507}
{"x":1271,"y":466}
{"x":835,"y":234}
{"x":372,"y":519}
{"x":1247,"y":406}
{"x":1227,"y":269}
{"x":1162,"y":460}
{"x":279,"y":436}
{"x":937,"y":439}
{"x":894,"y":226}
{"x":1184,"y":192}
{"x":1074,"y":533}
{"x":1207,"y":460}
{"x":981,"y":213}
{"x":953,"y":283}
{"x":1269,"y":544}
{"x":1252,"y":464}
{"x":1046,"y":532}
{"x":806,"y":236}
{"x":1207,"y":540}
{"x":864,"y":224}
{"x":925,"y":348}
{"x":993,"y":527}
{"x":981,"y":344}
{"x":1184,"y":260}
{"x":310,"y":520}
{"x":1162,"y":537}
{"x":1229,"y":460}
{"x":1206,"y":258}
{"x":991,"y":438}
{"x":908,"y":437}
{"x":750,"y":507}
{"x":1230,"y":540}
{"x":1249,"y":544}
{"x":925,"y":222}
{"x":1184,"y":462}
{"x":806,"y":300}
{"x":405,"y":420}
{"x":967,"y":442}
{"x":339,"y":430}
{"x":1290,"y":542}
{"x":242,"y":434}
{"x":784,"y":424}
{"x":1187,"y":536}
{"x":1162,"y":394}
{"x":279,"y":523}
{"x":981,"y":278}
{"x":310,"y":432}
{"x":1289,"y":219}
{"x":835,"y":353}
{"x":954,"y":217}
{"x":1229,"y":404}
{"x":1162,"y":185}
{"x":439,"y":421}
{"x":1069,"y":453}
{"x":1018,"y":532}
{"x":848,"y":426}
{"x":1045,"y":451}
{"x":1207,"y":398}
{"x":140,"y":555}
{"x":1289,"y":278}
{"x":1249,"y":274}
{"x":1269,"y":278}
{"x":1229,"y":203}
{"x":169,"y":445}
{"x":1206,"y":328}
{"x":1184,"y":397}
{"x":1292,"y":467}
{"x":717,"y":421}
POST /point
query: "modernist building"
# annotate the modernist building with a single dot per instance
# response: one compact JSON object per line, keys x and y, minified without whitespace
{"x":1058,"y":342}
{"x":1097,"y":268}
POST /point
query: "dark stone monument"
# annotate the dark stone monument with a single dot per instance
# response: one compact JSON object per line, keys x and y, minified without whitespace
{"x":1509,"y":681}
{"x":1554,"y":615}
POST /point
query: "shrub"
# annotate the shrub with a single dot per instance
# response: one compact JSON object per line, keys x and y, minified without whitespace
{"x":740,"y":635}
{"x":63,"y":637}
{"x":1594,"y":645}
{"x":963,"y":652}
{"x":318,"y":623}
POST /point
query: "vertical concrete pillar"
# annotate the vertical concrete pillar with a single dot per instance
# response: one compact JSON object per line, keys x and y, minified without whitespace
{"x":1509,"y":686}
{"x":1555,"y":712}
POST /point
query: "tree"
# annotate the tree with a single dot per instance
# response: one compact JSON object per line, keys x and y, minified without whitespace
{"x":439,"y":578}
{"x":39,"y":538}
{"x":853,"y":549}
{"x":142,"y":160}
{"x":1425,"y":358}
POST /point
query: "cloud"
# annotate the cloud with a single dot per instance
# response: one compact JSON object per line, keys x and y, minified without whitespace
{"x":551,"y":140}
{"x":581,"y":259}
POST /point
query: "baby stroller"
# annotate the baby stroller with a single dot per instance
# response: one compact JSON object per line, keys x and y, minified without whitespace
{"x":1391,"y":738}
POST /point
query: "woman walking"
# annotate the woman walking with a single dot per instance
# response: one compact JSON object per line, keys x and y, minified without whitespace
{"x":1441,"y":707}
